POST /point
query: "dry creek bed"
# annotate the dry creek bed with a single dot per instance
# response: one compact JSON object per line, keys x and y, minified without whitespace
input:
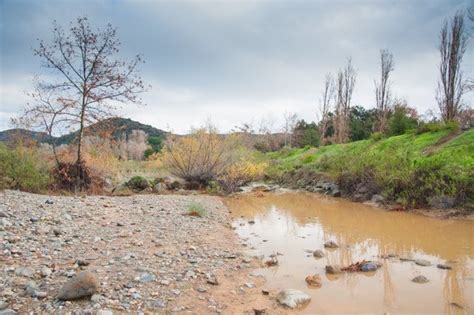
{"x":147,"y":255}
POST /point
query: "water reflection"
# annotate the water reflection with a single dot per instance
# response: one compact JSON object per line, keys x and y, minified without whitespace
{"x":295,"y":223}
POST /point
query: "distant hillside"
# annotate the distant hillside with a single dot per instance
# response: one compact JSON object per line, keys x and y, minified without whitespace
{"x":15,"y":134}
{"x":115,"y":127}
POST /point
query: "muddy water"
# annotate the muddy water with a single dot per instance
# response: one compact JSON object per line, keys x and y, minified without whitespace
{"x":294,"y":224}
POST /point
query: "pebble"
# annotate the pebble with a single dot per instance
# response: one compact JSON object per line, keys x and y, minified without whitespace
{"x":314,"y":281}
{"x":331,"y":244}
{"x":318,"y":253}
{"x":442,"y":266}
{"x":333,"y":269}
{"x":292,"y":298}
{"x":423,"y":262}
{"x":46,"y":272}
{"x":420,"y":279}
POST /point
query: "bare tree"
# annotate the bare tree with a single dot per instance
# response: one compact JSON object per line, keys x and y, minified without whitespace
{"x":451,"y":85}
{"x":345,"y":84}
{"x":89,"y":79}
{"x":47,"y":113}
{"x":470,"y":16}
{"x":325,"y":105}
{"x":289,"y":127}
{"x":383,"y":96}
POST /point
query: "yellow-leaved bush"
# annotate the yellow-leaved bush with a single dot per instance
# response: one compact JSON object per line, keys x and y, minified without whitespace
{"x":204,"y":156}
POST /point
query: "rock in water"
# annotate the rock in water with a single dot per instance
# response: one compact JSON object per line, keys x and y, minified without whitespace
{"x":293,"y":298}
{"x":369,"y":266}
{"x":83,"y":284}
{"x":422,"y":262}
{"x":314,"y":281}
{"x":331,"y":244}
{"x":420,"y":279}
{"x":442,"y":266}
{"x":318,"y":253}
{"x":333,"y":269}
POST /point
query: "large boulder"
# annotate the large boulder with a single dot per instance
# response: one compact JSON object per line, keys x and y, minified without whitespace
{"x":293,"y":298}
{"x":82,"y":285}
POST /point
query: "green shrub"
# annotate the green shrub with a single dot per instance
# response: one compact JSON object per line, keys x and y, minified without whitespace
{"x":196,"y":209}
{"x":137,"y":183}
{"x":21,"y":168}
{"x":437,"y":126}
{"x":376,"y":136}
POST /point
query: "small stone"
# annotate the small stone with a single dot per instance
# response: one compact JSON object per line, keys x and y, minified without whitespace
{"x":201,"y":290}
{"x":57,"y":232}
{"x":251,"y":222}
{"x":82,"y":263}
{"x":147,"y":277}
{"x":212,"y":279}
{"x":165,"y":282}
{"x":314,"y":281}
{"x":30,"y":288}
{"x":293,"y":298}
{"x":7,"y":312}
{"x":333,"y":269}
{"x":5,"y":223}
{"x":3,"y":305}
{"x":104,"y":312}
{"x":96,"y":298}
{"x":249,"y":285}
{"x":318,"y":253}
{"x":46,"y":272}
{"x":259,"y":311}
{"x":83,"y":284}
{"x":422,"y":262}
{"x":25,"y":272}
{"x":420,"y":279}
{"x":331,"y":244}
{"x":34,"y":219}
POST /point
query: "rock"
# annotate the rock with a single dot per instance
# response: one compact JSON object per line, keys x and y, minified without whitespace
{"x":442,"y":202}
{"x":7,"y":312}
{"x":3,"y":305}
{"x":5,"y":223}
{"x":25,"y":272}
{"x":30,"y":288}
{"x":104,"y":312}
{"x":57,"y":232}
{"x":249,"y":285}
{"x":46,"y":272}
{"x":422,"y":262}
{"x":318,"y":253}
{"x":251,"y":222}
{"x":331,"y":244}
{"x":293,"y":298}
{"x":420,"y":279}
{"x":147,"y":277}
{"x":83,"y":284}
{"x":333,"y":269}
{"x":377,"y":198}
{"x":369,"y":266}
{"x":212,"y":279}
{"x":96,"y":298}
{"x":49,"y":202}
{"x":442,"y":266}
{"x":259,"y":311}
{"x":159,"y":188}
{"x":314,"y":281}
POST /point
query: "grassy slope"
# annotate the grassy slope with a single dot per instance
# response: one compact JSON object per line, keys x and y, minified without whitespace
{"x":392,"y":158}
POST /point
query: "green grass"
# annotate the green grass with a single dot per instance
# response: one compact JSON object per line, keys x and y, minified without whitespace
{"x":196,"y":209}
{"x":409,"y":168}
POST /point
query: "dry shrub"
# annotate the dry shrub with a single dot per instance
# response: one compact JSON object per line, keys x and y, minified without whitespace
{"x":204,"y":156}
{"x":241,"y":173}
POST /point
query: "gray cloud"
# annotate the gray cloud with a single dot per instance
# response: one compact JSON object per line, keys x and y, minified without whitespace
{"x":238,"y":61}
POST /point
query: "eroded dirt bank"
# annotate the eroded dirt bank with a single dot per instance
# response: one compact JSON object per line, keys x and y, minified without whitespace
{"x":147,"y":256}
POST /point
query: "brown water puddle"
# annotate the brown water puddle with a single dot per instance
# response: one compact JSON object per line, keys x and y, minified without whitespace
{"x":294,"y":224}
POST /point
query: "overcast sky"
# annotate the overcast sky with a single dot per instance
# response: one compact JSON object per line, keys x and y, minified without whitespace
{"x":240,"y":61}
